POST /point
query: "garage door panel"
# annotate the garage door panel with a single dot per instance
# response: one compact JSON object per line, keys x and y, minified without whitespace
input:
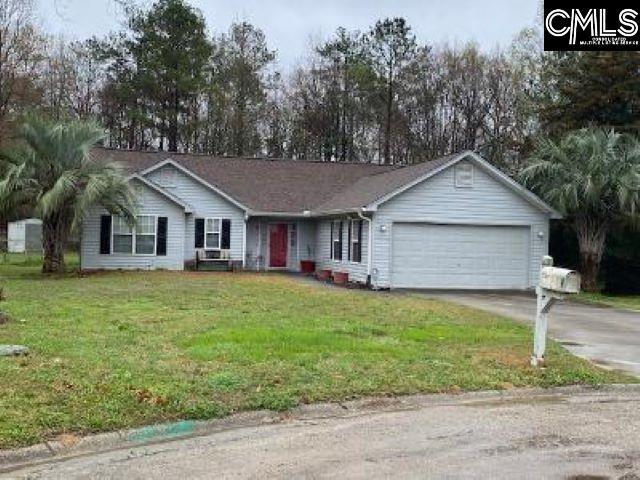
{"x":459,"y":256}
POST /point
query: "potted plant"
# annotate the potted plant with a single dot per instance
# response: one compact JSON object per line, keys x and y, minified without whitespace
{"x":340,"y":278}
{"x":323,"y":275}
{"x":308,"y":266}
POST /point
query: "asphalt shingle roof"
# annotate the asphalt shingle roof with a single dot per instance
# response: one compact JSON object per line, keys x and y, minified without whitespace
{"x":373,"y":187}
{"x":285,"y":186}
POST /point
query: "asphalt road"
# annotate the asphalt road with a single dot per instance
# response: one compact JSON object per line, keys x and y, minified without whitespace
{"x":607,"y":336}
{"x":565,"y":434}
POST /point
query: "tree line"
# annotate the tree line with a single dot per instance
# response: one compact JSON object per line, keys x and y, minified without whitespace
{"x":165,"y":82}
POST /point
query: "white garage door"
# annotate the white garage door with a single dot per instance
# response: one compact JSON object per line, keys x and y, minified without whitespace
{"x":459,"y":256}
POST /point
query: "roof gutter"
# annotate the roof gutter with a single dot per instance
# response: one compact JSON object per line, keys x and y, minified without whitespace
{"x":304,"y":214}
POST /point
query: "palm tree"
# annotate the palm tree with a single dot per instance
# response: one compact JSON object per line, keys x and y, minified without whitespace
{"x":54,"y":174}
{"x":592,"y":176}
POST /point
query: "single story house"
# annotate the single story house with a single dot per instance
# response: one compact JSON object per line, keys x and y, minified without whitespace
{"x":455,"y":222}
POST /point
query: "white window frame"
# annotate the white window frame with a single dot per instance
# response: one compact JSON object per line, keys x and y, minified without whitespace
{"x":337,"y":236}
{"x":133,"y":237}
{"x":354,"y":239}
{"x":219,"y":232}
{"x":114,"y":234}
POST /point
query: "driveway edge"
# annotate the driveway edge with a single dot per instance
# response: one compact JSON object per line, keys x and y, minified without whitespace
{"x":68,"y":447}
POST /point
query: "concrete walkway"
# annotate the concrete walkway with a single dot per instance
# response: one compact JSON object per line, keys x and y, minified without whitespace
{"x":570,"y":433}
{"x":607,"y":336}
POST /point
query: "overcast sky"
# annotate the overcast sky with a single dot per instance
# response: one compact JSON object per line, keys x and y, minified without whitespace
{"x":291,"y":25}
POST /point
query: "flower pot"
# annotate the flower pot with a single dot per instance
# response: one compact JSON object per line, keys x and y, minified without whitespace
{"x":323,"y":275}
{"x":340,"y":278}
{"x":307,"y":266}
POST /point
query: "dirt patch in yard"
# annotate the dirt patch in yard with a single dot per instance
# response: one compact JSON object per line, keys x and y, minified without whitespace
{"x":507,"y":359}
{"x":67,"y":439}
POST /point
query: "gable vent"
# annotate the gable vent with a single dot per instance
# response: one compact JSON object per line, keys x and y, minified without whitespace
{"x":167,"y":177}
{"x":464,"y":175}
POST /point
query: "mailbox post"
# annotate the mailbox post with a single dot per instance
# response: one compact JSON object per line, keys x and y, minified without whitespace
{"x":554,"y":285}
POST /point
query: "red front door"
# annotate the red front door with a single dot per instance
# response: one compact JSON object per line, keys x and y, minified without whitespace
{"x":278,"y":245}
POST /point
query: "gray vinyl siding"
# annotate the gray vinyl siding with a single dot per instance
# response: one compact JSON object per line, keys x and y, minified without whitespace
{"x":437,"y":200}
{"x":307,"y":239}
{"x":150,"y":203}
{"x":300,"y":242}
{"x":357,"y":271}
{"x":204,"y":203}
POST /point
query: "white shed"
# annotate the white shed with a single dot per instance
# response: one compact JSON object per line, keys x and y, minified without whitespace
{"x":24,"y":236}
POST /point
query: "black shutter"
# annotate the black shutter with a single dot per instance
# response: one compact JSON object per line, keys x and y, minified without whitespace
{"x":161,"y":236}
{"x":199,"y":233}
{"x":359,"y":259}
{"x":225,"y":242}
{"x":331,"y":249}
{"x":340,"y":242}
{"x":349,"y":240}
{"x":105,"y":234}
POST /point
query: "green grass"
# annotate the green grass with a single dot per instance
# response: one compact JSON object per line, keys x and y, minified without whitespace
{"x":631,"y":302}
{"x":113,"y":350}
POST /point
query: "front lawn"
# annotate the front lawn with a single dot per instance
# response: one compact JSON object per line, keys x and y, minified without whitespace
{"x":630,"y":302}
{"x":114,"y":350}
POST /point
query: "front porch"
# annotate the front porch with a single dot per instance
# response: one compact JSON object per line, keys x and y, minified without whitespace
{"x":280,"y":244}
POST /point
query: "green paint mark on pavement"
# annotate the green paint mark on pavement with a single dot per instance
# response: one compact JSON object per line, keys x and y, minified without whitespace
{"x":155,"y":432}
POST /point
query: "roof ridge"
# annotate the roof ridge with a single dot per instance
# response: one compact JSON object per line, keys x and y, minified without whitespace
{"x":235,"y":157}
{"x":407,"y":165}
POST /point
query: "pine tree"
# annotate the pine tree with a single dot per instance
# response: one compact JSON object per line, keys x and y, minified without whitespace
{"x":591,"y":88}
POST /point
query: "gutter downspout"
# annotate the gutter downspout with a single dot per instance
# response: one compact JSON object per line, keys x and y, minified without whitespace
{"x":369,"y":244}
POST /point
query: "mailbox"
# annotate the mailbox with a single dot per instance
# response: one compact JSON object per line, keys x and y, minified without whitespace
{"x":554,"y":283}
{"x":560,"y":280}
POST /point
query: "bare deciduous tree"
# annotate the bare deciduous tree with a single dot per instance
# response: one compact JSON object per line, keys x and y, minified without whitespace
{"x":20,"y":54}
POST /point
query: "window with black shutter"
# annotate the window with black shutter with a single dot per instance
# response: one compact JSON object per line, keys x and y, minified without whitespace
{"x":139,"y":238}
{"x":213,"y":233}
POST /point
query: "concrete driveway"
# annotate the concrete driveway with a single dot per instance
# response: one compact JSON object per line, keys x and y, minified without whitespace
{"x":609,"y":337}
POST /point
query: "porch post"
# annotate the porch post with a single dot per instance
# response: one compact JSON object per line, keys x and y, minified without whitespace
{"x":297,"y":267}
{"x":259,"y":256}
{"x":244,"y":241}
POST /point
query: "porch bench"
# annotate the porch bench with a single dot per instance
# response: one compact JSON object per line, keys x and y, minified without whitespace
{"x":213,"y":260}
